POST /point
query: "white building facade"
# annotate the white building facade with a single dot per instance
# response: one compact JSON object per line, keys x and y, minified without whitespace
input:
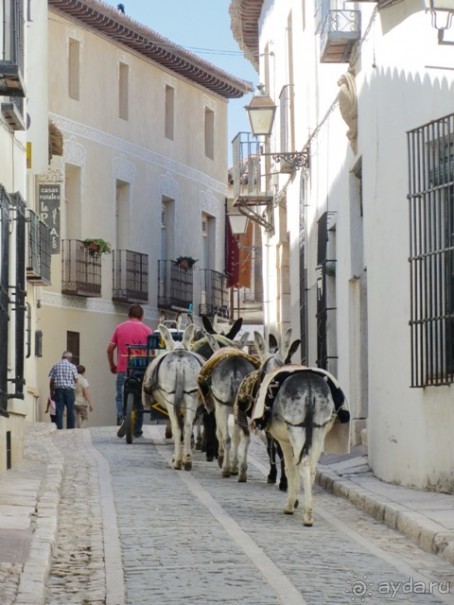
{"x":358,"y":212}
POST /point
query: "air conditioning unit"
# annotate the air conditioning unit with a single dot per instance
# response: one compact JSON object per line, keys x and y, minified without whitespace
{"x":12,"y":116}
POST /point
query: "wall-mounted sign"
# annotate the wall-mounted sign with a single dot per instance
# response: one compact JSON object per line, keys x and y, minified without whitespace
{"x":49,"y":196}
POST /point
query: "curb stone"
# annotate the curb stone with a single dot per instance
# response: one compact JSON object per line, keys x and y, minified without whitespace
{"x":33,"y":580}
{"x":427,"y":534}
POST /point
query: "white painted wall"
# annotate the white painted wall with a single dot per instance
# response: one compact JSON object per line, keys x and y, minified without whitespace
{"x":404,"y":80}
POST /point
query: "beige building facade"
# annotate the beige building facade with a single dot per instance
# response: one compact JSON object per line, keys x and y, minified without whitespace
{"x":144,"y":169}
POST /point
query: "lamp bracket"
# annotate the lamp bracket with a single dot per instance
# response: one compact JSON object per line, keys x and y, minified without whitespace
{"x":254,"y":216}
{"x":296,"y":159}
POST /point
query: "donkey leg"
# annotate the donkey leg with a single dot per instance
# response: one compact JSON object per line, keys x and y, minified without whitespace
{"x":307,"y":488}
{"x":271,"y":449}
{"x":245,"y":439}
{"x":222,"y":431}
{"x":283,"y":483}
{"x":234,"y":449}
{"x":176,"y":432}
{"x":187,"y":440}
{"x":292,"y":471}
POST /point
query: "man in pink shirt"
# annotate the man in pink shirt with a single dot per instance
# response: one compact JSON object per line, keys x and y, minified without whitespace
{"x":130,"y":332}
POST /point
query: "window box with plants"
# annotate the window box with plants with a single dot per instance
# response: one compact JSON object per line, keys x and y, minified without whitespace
{"x":97,"y":246}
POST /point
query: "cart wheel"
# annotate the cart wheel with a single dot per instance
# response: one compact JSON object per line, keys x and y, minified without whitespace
{"x":130,"y":418}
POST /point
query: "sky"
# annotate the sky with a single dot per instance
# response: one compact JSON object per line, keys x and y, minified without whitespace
{"x":203,"y":27}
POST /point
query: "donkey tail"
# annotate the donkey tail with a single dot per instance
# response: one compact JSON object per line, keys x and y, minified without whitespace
{"x":308,"y":425}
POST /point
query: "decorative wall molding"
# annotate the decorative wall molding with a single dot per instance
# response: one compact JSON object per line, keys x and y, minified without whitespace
{"x":92,"y":305}
{"x":123,"y":170}
{"x":168,"y":187}
{"x":209,"y":203}
{"x":75,"y":129}
{"x":74,"y":152}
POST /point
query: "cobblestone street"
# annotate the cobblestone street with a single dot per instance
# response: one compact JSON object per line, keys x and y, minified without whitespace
{"x":194,"y":537}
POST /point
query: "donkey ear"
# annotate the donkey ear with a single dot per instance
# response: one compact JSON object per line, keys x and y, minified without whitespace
{"x":214,"y":345}
{"x":242,"y":341}
{"x":188,"y":337}
{"x":260,"y":345}
{"x":295,"y":344}
{"x":235,"y":329}
{"x":208,"y":325}
{"x":285,"y":343}
{"x":166,"y":337}
{"x":272,"y":343}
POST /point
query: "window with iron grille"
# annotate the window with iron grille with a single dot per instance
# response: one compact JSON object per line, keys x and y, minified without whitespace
{"x":431,"y":212}
{"x":4,"y":298}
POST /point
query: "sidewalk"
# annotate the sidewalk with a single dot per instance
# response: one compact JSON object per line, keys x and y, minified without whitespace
{"x":30,"y":494}
{"x":29,"y":497}
{"x":426,"y":518}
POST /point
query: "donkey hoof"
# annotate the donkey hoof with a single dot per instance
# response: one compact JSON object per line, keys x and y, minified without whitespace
{"x":188,"y":465}
{"x":176,"y":465}
{"x":242,"y":478}
{"x":288,"y":511}
{"x":308,"y":523}
{"x":226,"y":473}
{"x":283,"y":486}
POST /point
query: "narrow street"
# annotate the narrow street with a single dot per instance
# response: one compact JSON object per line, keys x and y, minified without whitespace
{"x":194,"y":537}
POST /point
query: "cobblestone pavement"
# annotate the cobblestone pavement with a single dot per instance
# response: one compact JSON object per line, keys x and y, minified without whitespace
{"x":199,"y":538}
{"x":132,"y":531}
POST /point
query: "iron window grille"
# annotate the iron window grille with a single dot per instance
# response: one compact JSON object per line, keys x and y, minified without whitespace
{"x":431,"y":260}
{"x":5,"y":204}
{"x":130,"y":276}
{"x":81,"y":271}
{"x":39,"y":250}
{"x":326,"y":310}
{"x":18,"y":296}
{"x":175,"y":286}
{"x":214,"y":293}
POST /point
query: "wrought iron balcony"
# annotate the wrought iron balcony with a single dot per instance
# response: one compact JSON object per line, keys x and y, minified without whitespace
{"x":81,"y":270}
{"x":340,"y":30}
{"x":130,"y":276}
{"x":175,"y":286}
{"x":39,"y":250}
{"x":214,"y":294}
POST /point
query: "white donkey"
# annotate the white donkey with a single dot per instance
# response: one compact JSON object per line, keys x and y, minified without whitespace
{"x":299,"y":407}
{"x":171,"y":380}
{"x":219,"y":381}
{"x":272,"y":356}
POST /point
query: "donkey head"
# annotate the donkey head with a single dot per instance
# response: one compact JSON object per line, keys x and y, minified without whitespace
{"x":274,"y":354}
{"x":171,"y":344}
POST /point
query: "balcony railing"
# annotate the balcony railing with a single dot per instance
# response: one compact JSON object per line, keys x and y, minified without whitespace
{"x":81,"y":270}
{"x":175,"y":286}
{"x":39,"y":250}
{"x":214,"y":293}
{"x":248,"y":176}
{"x":340,"y":30}
{"x":130,"y":276}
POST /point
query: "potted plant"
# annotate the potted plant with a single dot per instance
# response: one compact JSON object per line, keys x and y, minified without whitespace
{"x":185,"y":262}
{"x":97,"y":246}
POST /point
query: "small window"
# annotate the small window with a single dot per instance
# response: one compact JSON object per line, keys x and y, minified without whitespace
{"x":73,"y":69}
{"x":209,"y":133}
{"x":73,"y":345}
{"x":123,"y":91}
{"x":169,"y":112}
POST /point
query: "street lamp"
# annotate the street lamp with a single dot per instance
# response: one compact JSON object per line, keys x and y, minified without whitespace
{"x":261,"y":111}
{"x":441,"y":9}
{"x":238,"y":221}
